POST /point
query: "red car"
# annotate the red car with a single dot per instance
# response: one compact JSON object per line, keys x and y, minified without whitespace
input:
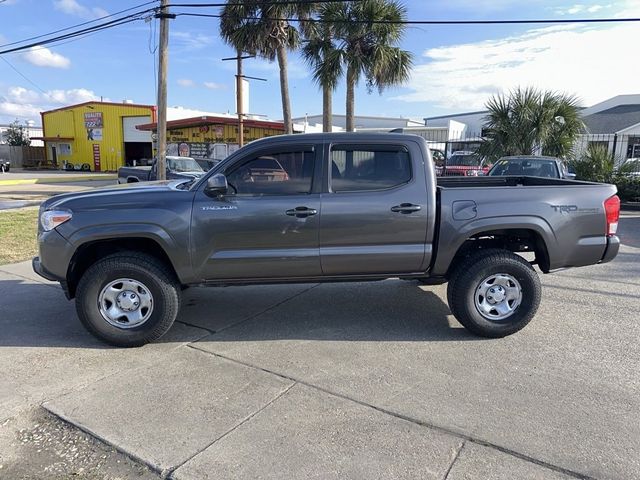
{"x":463,"y":164}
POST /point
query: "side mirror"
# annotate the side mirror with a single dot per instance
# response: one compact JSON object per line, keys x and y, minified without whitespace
{"x":217,"y":185}
{"x":570,"y":176}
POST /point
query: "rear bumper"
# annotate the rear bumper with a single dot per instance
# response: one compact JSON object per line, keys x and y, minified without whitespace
{"x":613,"y":245}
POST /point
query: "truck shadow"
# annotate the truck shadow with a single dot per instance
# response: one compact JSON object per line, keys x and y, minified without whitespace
{"x":629,"y":231}
{"x":392,"y":310}
{"x":38,"y":315}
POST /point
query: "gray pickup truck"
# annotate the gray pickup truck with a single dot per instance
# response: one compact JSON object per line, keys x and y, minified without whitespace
{"x":178,"y":168}
{"x":321,"y":208}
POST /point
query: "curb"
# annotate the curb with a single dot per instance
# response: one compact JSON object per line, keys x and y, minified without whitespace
{"x":60,"y":179}
{"x":630,"y":207}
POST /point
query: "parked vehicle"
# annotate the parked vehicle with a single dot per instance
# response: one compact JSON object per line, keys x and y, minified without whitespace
{"x":463,"y":163}
{"x":5,"y":165}
{"x":548,"y":167}
{"x":352,"y":207}
{"x":631,"y":167}
{"x":438,"y":157}
{"x":178,"y":168}
{"x":207,"y":163}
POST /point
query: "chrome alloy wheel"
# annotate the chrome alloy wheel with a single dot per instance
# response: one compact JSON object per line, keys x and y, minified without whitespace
{"x":125,"y":303}
{"x":498,"y":296}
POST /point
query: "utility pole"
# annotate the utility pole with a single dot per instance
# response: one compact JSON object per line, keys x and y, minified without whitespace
{"x":163,"y":54}
{"x":240,"y":101}
{"x":240,"y":94}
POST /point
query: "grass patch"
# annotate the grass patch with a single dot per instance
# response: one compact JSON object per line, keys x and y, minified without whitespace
{"x":18,"y":234}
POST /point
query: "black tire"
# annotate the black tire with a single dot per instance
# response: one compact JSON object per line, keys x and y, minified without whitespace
{"x":470,"y":274}
{"x":154,"y":274}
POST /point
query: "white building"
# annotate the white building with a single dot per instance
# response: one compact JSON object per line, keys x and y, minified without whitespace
{"x":472,"y":122}
{"x":313,"y":123}
{"x":613,"y":123}
{"x":32,"y":131}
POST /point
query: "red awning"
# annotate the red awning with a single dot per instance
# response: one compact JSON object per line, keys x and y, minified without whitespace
{"x":53,"y":139}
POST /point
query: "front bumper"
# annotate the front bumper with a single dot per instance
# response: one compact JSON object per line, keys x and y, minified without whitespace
{"x":613,"y":245}
{"x":36,"y":264}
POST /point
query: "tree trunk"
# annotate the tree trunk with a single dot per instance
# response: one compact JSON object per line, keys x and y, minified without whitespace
{"x":351,"y":85}
{"x":327,"y":109}
{"x":284,"y":89}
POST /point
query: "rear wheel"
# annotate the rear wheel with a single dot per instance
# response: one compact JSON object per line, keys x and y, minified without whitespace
{"x":494,"y":293}
{"x":128,"y":299}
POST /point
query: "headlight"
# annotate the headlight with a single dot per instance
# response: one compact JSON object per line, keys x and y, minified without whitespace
{"x":50,"y":219}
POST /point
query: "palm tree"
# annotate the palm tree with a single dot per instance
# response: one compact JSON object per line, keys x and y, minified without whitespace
{"x":529,"y":122}
{"x":361,"y":39}
{"x":262,"y":29}
{"x":325,"y":59}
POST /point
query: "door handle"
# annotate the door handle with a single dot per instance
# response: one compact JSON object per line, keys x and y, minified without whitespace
{"x":301,"y":212}
{"x":406,"y":208}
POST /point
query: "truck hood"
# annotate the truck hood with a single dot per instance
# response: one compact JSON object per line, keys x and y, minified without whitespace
{"x":110,"y":195}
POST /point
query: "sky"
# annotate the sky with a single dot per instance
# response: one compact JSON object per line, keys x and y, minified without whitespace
{"x":456,"y":68}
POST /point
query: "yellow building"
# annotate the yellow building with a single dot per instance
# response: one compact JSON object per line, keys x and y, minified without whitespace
{"x":212,"y":136}
{"x":100,"y":136}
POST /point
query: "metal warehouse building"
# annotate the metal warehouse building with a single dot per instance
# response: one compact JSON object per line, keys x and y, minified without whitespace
{"x":102,"y":136}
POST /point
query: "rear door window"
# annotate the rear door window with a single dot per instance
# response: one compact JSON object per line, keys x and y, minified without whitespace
{"x":357,"y":168}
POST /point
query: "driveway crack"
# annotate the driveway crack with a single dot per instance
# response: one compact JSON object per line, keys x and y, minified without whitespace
{"x":454,"y":460}
{"x":170,"y":471}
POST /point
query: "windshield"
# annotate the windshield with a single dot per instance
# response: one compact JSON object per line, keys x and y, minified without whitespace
{"x":465,"y":160}
{"x":183,"y":164}
{"x":525,"y":166}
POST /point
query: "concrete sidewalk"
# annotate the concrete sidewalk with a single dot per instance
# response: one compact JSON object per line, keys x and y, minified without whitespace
{"x":347,"y":380}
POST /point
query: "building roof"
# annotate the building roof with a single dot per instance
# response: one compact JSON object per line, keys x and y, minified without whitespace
{"x":613,"y":119}
{"x":98,"y":102}
{"x":455,"y":115}
{"x":209,"y":120}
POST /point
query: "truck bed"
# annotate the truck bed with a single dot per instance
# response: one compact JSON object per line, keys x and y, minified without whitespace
{"x":567,"y":216}
{"x":506,"y":181}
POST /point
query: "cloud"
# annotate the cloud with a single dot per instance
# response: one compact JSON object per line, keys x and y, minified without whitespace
{"x":214,"y":86}
{"x":581,"y":8}
{"x":19,"y":102}
{"x":43,"y":57}
{"x":583,"y":60}
{"x":69,"y":97}
{"x":9,"y":111}
{"x":190,"y":41}
{"x":186,"y":82}
{"x":72,"y":7}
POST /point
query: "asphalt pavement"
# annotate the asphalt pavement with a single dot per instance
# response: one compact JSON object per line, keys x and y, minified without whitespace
{"x":346,"y":380}
{"x":21,"y":195}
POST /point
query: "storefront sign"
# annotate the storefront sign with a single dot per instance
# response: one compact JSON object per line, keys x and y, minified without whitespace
{"x":93,"y":123}
{"x":93,"y":120}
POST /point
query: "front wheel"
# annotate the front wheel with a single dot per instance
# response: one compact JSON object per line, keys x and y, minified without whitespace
{"x":128,"y":299}
{"x":494,"y":293}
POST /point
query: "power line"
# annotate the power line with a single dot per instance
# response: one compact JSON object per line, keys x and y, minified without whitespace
{"x":272,"y":2}
{"x":23,"y":75}
{"x":79,"y":24}
{"x":429,"y":22}
{"x":103,"y":26}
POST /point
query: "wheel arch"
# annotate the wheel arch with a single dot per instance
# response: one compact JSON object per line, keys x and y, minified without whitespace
{"x":91,"y":251}
{"x":519,"y":237}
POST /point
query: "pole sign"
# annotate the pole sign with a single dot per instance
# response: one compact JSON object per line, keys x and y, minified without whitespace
{"x":96,"y":157}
